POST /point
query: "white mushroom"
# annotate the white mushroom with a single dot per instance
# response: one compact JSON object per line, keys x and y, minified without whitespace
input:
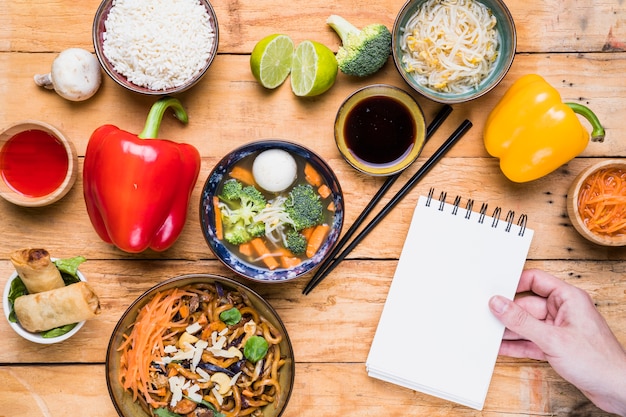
{"x":75,"y":75}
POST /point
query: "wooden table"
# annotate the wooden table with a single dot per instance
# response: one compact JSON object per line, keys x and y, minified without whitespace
{"x":579,"y":47}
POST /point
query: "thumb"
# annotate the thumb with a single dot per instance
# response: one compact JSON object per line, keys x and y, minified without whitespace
{"x":517,"y":319}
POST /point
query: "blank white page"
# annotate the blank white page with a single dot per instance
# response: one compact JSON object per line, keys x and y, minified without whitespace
{"x":436,"y":334}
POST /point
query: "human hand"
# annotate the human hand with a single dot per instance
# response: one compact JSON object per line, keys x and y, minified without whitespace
{"x":557,"y":322}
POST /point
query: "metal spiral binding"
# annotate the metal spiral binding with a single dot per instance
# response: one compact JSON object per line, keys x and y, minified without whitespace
{"x":455,"y":206}
{"x":468,"y":208}
{"x":442,"y":200}
{"x":483,"y":210}
{"x":496,"y":217}
{"x":509,"y":219}
{"x":521,"y":222}
{"x":430,"y":196}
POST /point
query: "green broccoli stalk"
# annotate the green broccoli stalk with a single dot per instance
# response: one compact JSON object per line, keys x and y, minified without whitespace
{"x":238,"y":208}
{"x":364,"y":51}
{"x":304,"y":207}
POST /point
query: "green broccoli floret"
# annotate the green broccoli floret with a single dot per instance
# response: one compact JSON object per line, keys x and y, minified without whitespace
{"x":240,"y":206}
{"x":304,"y":207}
{"x":238,"y":233}
{"x":363,"y":51}
{"x":231,"y":190}
{"x":295,"y":242}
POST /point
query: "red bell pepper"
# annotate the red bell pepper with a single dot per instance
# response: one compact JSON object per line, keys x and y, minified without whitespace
{"x":137,"y":188}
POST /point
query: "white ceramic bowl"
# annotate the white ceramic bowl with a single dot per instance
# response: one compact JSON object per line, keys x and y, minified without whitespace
{"x":35,"y":337}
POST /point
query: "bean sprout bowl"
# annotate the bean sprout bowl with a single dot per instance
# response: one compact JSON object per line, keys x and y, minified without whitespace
{"x":143,"y":57}
{"x":229,"y":254}
{"x":505,"y":52}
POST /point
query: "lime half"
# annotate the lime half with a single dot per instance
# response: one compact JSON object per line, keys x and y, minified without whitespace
{"x":271,"y":59}
{"x":314,"y":69}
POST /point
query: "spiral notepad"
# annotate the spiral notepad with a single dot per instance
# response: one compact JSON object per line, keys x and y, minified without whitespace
{"x":436,"y":334}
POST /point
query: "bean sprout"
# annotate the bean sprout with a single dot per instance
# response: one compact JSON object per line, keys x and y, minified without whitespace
{"x":450,"y":45}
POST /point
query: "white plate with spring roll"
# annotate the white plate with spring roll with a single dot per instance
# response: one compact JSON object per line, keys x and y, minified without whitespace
{"x":47,"y":300}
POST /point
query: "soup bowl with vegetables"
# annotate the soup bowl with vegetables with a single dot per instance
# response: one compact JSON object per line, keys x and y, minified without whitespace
{"x":197,"y":345}
{"x":271,"y":210}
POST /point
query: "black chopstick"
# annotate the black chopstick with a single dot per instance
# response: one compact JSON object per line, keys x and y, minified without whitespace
{"x":443,"y":149}
{"x":437,"y":121}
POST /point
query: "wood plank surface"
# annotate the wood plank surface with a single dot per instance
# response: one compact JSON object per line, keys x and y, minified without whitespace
{"x":579,"y":47}
{"x":546,"y":26}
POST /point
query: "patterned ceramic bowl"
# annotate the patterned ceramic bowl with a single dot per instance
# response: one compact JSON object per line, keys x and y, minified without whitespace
{"x":229,"y":254}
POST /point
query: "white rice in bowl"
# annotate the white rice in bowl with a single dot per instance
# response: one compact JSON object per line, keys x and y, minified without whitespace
{"x":158,"y":44}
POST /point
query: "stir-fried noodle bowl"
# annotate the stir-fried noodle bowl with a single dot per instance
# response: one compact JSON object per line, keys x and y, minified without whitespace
{"x":200,"y":345}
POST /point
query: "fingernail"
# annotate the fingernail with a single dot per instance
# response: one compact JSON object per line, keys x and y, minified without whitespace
{"x":498,"y":304}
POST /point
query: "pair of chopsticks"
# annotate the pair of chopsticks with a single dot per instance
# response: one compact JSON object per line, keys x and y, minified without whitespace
{"x":331,"y":262}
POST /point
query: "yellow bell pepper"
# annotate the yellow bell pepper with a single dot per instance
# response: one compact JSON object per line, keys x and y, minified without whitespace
{"x":533,"y":132}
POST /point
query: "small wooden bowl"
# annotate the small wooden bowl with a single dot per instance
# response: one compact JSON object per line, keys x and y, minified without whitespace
{"x":10,"y":194}
{"x":572,"y":204}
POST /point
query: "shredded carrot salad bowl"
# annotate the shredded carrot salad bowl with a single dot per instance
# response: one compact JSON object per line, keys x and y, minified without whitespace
{"x":198,"y":345}
{"x":596,"y":203}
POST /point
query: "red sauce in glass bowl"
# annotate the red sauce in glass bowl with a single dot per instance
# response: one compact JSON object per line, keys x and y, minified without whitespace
{"x":33,"y":163}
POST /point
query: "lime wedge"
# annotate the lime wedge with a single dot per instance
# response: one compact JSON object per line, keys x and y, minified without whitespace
{"x":271,"y":59}
{"x":314,"y":69}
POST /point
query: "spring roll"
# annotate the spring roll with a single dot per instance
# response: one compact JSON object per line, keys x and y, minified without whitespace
{"x":47,"y":310}
{"x":37,"y":271}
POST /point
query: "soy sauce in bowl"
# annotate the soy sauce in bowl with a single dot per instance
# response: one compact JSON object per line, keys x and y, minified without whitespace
{"x":380,"y":130}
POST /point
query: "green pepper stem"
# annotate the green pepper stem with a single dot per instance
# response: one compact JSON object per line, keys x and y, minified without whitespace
{"x":597,"y":134}
{"x":155,"y":116}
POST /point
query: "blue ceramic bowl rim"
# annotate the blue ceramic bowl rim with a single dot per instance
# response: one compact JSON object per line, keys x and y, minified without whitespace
{"x":508,"y":47}
{"x":98,"y":29}
{"x":230,"y":260}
